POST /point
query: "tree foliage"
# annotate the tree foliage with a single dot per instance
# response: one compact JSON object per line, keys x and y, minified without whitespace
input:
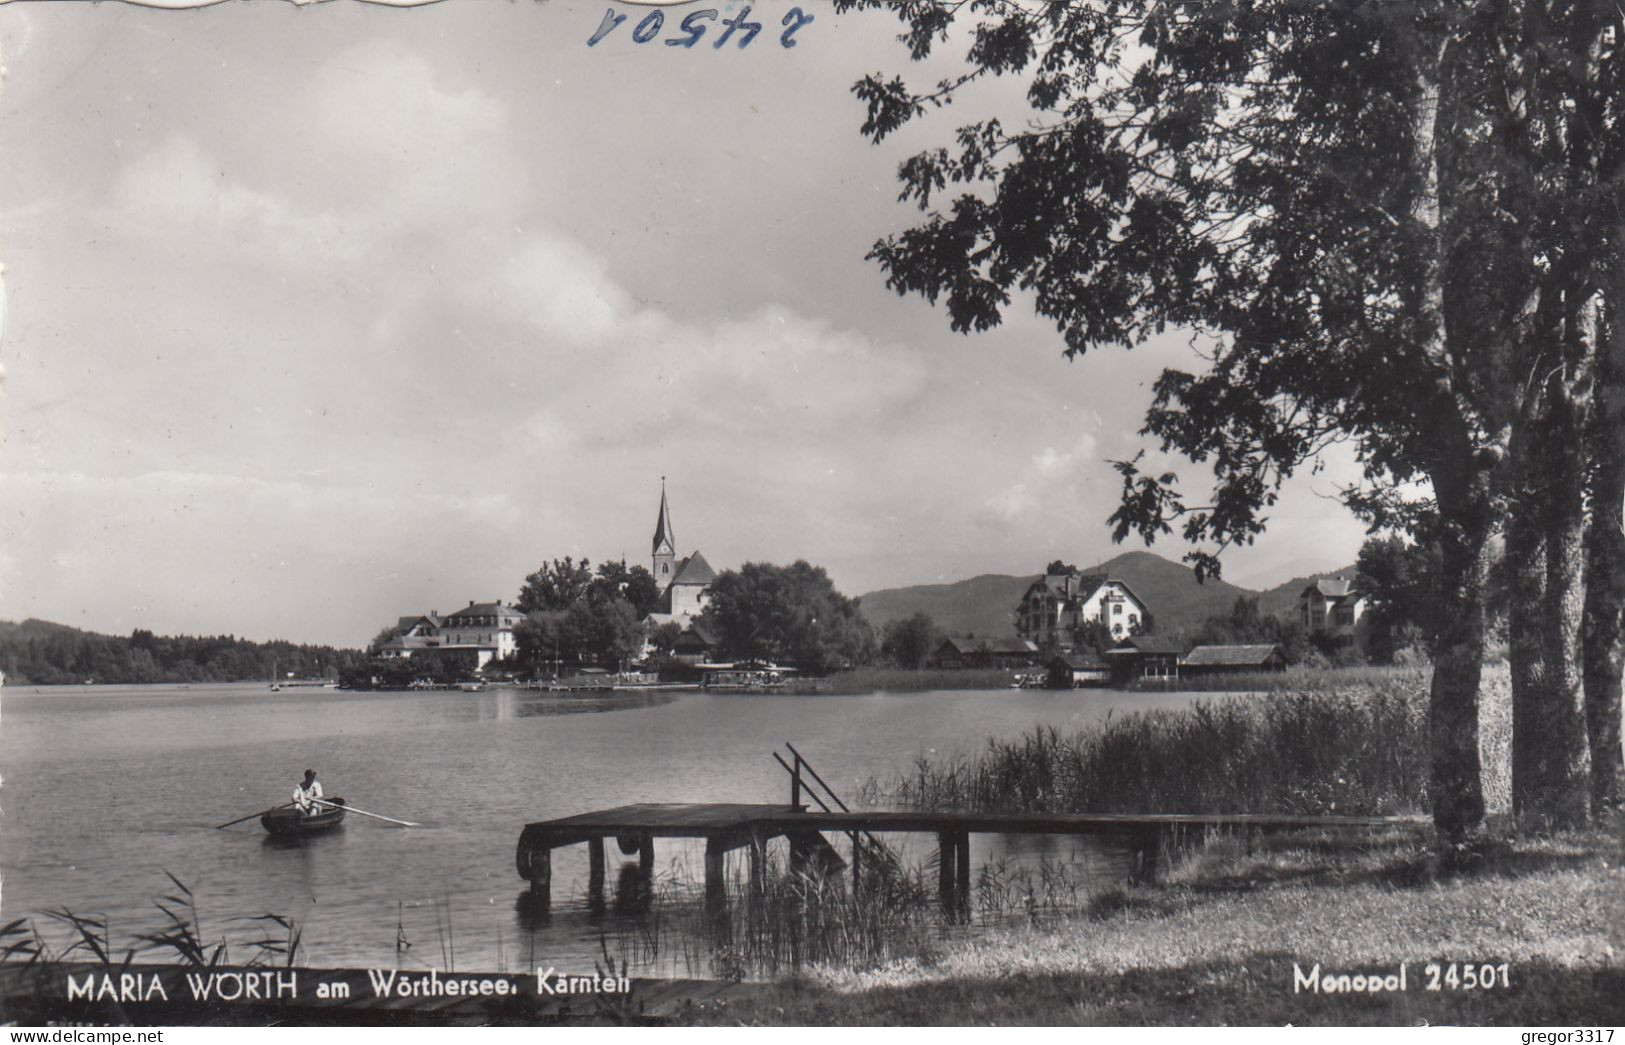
{"x":1401,"y":580}
{"x":909,"y":641}
{"x":40,"y":653}
{"x":790,"y":614}
{"x":555,"y":586}
{"x":1246,"y":625}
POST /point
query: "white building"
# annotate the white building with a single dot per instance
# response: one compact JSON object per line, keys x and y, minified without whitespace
{"x":478,"y":634}
{"x":1057,"y":604}
{"x":1334,"y":607}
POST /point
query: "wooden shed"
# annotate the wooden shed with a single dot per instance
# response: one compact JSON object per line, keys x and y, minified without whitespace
{"x":1078,"y":668}
{"x":1233,"y":660}
{"x":1144,"y":658}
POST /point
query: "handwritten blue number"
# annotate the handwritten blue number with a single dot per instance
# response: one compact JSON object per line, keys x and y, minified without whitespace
{"x":750,"y":29}
{"x":649,"y":28}
{"x":693,"y":29}
{"x":607,"y":26}
{"x":799,"y":19}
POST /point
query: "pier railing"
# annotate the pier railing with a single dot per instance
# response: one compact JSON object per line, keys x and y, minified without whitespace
{"x":825,"y":798}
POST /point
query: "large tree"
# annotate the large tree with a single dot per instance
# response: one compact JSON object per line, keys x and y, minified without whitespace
{"x":909,"y":642}
{"x":787,"y":613}
{"x":634,"y":584}
{"x":1370,"y":209}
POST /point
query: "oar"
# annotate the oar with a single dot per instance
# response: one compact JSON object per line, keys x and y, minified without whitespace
{"x":250,"y":816}
{"x":363,"y":812}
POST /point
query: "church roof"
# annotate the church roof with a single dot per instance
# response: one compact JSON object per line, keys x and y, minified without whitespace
{"x":663,"y":532}
{"x":694,"y":570}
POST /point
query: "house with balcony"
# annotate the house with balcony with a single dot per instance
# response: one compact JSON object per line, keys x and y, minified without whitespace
{"x":1333,"y":608}
{"x":473,"y":636}
{"x":1056,"y":605}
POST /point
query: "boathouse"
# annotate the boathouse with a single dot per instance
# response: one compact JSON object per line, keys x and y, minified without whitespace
{"x":1082,"y":667}
{"x":1143,"y":658}
{"x":1232,"y":660}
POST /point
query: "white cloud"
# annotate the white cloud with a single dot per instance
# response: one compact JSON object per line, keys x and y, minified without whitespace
{"x":176,"y":192}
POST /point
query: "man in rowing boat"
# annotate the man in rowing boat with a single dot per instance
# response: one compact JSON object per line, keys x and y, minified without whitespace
{"x":306,"y":794}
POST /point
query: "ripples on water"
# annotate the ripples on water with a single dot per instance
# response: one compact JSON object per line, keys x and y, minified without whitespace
{"x":106,"y":788}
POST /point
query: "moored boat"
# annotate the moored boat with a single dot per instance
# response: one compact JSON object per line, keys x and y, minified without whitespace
{"x":287,"y":821}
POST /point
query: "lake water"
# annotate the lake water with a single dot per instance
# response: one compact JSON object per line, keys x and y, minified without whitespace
{"x":107,"y":788}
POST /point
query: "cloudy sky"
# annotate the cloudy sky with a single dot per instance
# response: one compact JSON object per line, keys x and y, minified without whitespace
{"x":316,"y":316}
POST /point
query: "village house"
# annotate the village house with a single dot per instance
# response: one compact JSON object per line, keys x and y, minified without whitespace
{"x":696,"y":645}
{"x":1334,"y":608}
{"x":475,"y":635}
{"x":1057,"y":604}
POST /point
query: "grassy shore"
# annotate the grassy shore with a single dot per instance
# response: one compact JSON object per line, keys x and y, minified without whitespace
{"x":1219,"y":943}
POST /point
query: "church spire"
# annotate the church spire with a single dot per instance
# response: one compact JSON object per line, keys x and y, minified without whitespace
{"x":665,"y":548}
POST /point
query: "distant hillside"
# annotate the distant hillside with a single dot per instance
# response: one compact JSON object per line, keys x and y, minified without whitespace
{"x":983,"y":605}
{"x":986,"y":605}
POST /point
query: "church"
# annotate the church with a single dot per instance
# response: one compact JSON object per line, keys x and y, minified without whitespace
{"x":685,"y":584}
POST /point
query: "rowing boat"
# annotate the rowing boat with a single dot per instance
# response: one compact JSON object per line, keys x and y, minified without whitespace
{"x":288,"y":821}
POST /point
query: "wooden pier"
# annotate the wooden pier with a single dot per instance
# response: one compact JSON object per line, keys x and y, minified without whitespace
{"x":729,"y":826}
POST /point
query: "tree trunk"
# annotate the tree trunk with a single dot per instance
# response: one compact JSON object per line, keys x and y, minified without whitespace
{"x":1605,"y":557}
{"x":1455,"y":785}
{"x":1560,"y":797}
{"x":1461,"y":477}
{"x":1605,"y":624}
{"x":1526,"y":573}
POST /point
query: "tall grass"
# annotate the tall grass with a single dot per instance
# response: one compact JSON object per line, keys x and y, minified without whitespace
{"x":1355,"y":749}
{"x":1301,"y":679}
{"x":789,"y":921}
{"x":275,"y":939}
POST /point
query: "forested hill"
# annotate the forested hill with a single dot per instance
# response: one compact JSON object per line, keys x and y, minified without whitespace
{"x":40,"y":653}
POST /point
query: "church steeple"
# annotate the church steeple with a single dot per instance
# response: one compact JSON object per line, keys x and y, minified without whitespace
{"x":665,"y":549}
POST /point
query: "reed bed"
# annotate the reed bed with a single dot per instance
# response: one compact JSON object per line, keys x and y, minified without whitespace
{"x":788,"y":922}
{"x":1302,"y":679}
{"x":1359,"y":749}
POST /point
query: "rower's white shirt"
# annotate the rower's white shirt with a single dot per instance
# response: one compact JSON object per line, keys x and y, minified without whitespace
{"x":303,"y":795}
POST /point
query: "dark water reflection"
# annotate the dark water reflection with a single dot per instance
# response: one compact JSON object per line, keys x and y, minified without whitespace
{"x":106,"y":788}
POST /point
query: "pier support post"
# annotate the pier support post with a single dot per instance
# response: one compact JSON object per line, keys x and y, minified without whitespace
{"x":947,"y":880}
{"x":1147,"y":851}
{"x":646,"y":860}
{"x":962,"y":873}
{"x":541,"y":876}
{"x":595,"y":873}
